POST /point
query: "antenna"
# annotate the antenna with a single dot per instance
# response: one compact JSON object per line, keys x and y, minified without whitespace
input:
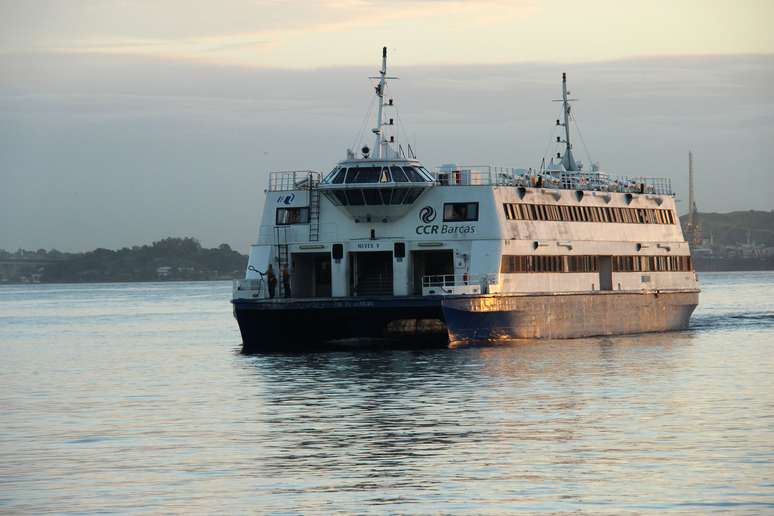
{"x":691,"y":201}
{"x":692,"y":229}
{"x":380,"y":144}
{"x":567,"y":160}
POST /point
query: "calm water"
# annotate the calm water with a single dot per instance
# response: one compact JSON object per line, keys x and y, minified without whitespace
{"x":134,"y":398}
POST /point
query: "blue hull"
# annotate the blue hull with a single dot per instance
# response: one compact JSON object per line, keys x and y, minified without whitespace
{"x":566,"y":315}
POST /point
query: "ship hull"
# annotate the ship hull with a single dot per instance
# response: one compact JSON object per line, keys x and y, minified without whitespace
{"x":566,"y":315}
{"x":307,"y":324}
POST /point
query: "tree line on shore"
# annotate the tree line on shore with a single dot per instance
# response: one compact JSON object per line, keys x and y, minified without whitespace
{"x":166,"y":259}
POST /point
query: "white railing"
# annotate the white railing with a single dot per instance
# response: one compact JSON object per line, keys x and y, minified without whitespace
{"x":248,"y":288}
{"x":293,"y":180}
{"x":467,"y":175}
{"x":446,"y":284}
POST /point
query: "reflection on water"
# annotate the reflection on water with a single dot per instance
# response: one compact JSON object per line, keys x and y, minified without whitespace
{"x":128,"y":397}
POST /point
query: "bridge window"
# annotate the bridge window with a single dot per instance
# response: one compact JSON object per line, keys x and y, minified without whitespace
{"x":398,"y":175}
{"x":355,"y":197}
{"x":460,"y":211}
{"x":330,"y":175}
{"x":364,"y":175}
{"x":339,"y":177}
{"x":412,"y":194}
{"x":414,"y":175}
{"x":286,"y":216}
{"x":372,"y":197}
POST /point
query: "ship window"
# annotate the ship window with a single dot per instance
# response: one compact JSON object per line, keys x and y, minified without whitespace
{"x":365,"y":175}
{"x":397,"y":195}
{"x":397,"y":175}
{"x":428,"y":176}
{"x":355,"y":197}
{"x":524,"y":211}
{"x":460,"y":211}
{"x":413,"y":175}
{"x":386,"y":194}
{"x":411,"y":195}
{"x":330,"y":175}
{"x":590,"y":264}
{"x":339,"y":178}
{"x":341,"y":196}
{"x":286,"y":216}
{"x":372,"y":196}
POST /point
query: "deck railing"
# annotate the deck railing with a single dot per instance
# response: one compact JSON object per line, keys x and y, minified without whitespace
{"x":445,"y":284}
{"x":293,"y":180}
{"x":471,"y":175}
{"x":248,"y":288}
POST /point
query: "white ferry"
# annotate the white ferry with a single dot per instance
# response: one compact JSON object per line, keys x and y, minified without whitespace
{"x":383,"y":248}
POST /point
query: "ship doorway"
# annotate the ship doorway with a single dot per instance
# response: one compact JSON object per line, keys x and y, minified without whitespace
{"x":605,"y":273}
{"x":430,"y":263}
{"x":311,"y":275}
{"x":370,"y":274}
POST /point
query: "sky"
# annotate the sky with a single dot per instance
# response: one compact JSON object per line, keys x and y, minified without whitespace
{"x":123,"y":122}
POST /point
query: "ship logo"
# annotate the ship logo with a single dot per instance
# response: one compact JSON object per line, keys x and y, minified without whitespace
{"x":287,"y":199}
{"x":427,"y":214}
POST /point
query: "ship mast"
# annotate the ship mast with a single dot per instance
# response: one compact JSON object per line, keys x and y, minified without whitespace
{"x":567,"y":160}
{"x":380,"y":143}
{"x":691,"y":202}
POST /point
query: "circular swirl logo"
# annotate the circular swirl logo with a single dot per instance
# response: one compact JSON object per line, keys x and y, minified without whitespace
{"x":427,"y":214}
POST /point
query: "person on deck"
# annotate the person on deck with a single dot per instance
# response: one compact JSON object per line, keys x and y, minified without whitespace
{"x":285,"y":280}
{"x":271,"y":280}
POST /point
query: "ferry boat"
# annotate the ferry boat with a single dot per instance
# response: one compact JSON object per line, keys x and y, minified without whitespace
{"x":381,"y":247}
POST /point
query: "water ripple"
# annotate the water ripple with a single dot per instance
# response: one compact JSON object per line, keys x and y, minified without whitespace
{"x":134,"y":398}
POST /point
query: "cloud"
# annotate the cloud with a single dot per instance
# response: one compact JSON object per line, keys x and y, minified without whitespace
{"x":273,"y":25}
{"x":100,"y":150}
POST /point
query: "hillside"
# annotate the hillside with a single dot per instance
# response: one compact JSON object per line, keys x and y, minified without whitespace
{"x":167,"y":259}
{"x":731,"y":229}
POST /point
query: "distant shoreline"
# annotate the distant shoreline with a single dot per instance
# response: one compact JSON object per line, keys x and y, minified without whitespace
{"x":232,"y":279}
{"x":115,"y":282}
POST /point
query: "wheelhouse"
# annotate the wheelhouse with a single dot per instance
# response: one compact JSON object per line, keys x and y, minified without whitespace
{"x":376,"y":189}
